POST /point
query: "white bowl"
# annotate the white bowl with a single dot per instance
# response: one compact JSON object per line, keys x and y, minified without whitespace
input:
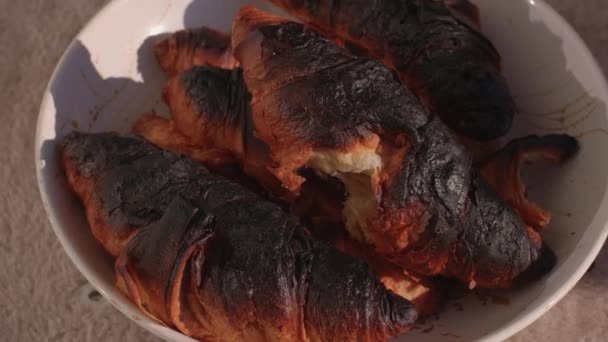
{"x":558,"y":85}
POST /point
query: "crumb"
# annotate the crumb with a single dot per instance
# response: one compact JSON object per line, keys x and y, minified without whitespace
{"x":500,"y":300}
{"x":428,"y":329}
{"x":94,"y":296}
{"x":449,"y":334}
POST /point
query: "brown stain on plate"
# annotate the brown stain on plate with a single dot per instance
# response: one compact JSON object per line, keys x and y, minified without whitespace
{"x":602,"y":131}
{"x":96,"y":110}
{"x":87,"y":83}
{"x":564,"y":118}
{"x":562,"y":110}
{"x":165,"y":11}
{"x":486,"y":297}
{"x":449,"y":334}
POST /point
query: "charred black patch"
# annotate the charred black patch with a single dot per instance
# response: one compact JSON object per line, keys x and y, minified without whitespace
{"x":218,"y":93}
{"x":540,"y":268}
{"x":223,"y":98}
{"x":325,"y":95}
{"x":471,"y":97}
{"x":134,"y":180}
{"x":551,"y":147}
{"x":281,"y":45}
{"x":437,"y":172}
{"x":494,"y":245}
{"x":333,"y":107}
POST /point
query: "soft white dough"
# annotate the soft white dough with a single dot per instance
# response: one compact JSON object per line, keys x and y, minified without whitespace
{"x":355,"y":170}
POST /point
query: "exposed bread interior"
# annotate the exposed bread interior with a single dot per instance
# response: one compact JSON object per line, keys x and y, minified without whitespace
{"x":356,"y":170}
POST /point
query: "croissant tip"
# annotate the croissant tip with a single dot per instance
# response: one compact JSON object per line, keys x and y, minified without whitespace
{"x":543,"y":264}
{"x":567,"y":144}
{"x":557,"y":147}
{"x":146,"y":122}
{"x":248,"y":19}
{"x":400,"y":312}
{"x":161,"y":48}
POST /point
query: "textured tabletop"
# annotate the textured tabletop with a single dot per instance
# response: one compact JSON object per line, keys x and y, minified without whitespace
{"x":42,"y":295}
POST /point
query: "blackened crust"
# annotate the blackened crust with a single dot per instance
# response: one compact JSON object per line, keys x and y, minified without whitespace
{"x":95,"y":155}
{"x":218,"y":93}
{"x":308,"y":91}
{"x":337,"y":107}
{"x":438,"y":170}
{"x":472,"y":98}
{"x":278,"y":272}
{"x":495,"y":246}
{"x":126,"y":183}
{"x":436,"y":174}
{"x":210,"y":105}
{"x":268,"y":56}
{"x":258,"y":275}
{"x":441,"y":56}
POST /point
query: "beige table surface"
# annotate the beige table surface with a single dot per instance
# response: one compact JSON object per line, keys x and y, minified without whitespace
{"x":40,"y":290}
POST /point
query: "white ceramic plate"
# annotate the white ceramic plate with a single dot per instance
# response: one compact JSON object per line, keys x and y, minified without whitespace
{"x":99,"y":86}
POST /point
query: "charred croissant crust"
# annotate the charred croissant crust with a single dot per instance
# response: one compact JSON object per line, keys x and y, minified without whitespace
{"x":211,"y":258}
{"x":438,"y":52}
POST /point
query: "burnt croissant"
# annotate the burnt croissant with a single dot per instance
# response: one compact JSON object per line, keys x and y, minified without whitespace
{"x":209,"y":257}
